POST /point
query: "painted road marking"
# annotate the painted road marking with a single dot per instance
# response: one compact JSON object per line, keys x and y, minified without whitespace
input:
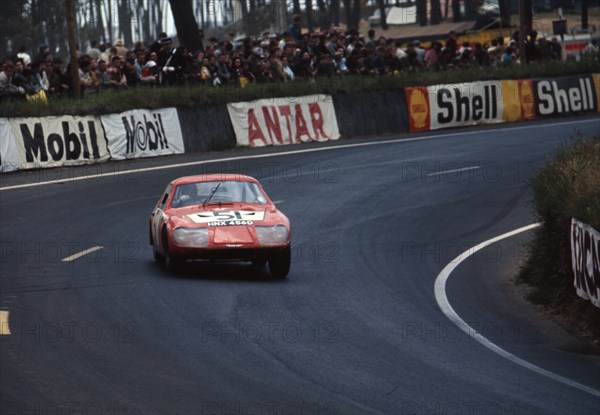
{"x":437,"y":173}
{"x":4,"y":328}
{"x":291,"y":152}
{"x":82,"y":253}
{"x":444,"y":304}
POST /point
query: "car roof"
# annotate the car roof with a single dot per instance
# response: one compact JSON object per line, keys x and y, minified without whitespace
{"x":213,"y":177}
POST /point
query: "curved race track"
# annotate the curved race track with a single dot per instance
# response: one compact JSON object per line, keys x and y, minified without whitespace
{"x":355,"y":329}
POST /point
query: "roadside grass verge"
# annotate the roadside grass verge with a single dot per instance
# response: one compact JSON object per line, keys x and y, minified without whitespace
{"x":569,"y":186}
{"x":113,"y":101}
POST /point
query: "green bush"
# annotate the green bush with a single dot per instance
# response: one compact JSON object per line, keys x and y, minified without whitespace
{"x":568,"y":187}
{"x":114,"y":101}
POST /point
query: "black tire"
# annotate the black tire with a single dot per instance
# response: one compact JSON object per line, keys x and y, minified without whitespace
{"x":157,"y":256}
{"x":259,"y":262}
{"x":279,"y":263}
{"x":172,"y":264}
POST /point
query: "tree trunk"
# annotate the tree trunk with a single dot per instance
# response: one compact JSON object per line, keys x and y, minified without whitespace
{"x":334,"y":12}
{"x":422,"y":12}
{"x":470,"y":9}
{"x":504,"y":11}
{"x":322,"y":15}
{"x":381,"y":6}
{"x":125,"y":19}
{"x":72,"y":48}
{"x":309,"y":14}
{"x":297,"y":9}
{"x":436,"y":12}
{"x":185,"y":23}
{"x":456,"y":11}
{"x":356,"y":14}
{"x":528,"y":16}
{"x":280,"y":13}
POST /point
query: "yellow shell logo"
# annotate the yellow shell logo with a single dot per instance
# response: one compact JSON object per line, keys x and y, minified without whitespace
{"x":527,"y":99}
{"x":419,"y":109}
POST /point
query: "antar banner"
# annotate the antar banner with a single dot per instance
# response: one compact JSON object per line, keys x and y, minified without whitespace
{"x":585,"y":257}
{"x":564,"y":96}
{"x":54,"y":142}
{"x":143,"y":133}
{"x":284,"y":120}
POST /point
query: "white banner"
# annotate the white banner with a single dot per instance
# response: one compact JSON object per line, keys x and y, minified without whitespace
{"x":284,"y":120}
{"x":9,"y":155}
{"x":58,"y":141}
{"x":470,"y":103}
{"x":143,"y":133}
{"x":585,"y":259}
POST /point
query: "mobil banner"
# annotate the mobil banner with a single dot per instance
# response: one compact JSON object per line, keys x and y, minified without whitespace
{"x":585,"y":260}
{"x":565,"y":95}
{"x":143,"y":133}
{"x":54,"y":142}
{"x":455,"y":105}
{"x":9,"y":155}
{"x":284,"y":120}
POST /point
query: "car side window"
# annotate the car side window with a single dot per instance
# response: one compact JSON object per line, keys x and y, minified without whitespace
{"x":163,"y":202}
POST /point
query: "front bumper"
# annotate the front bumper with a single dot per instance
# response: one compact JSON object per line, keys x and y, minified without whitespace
{"x":229,"y":253}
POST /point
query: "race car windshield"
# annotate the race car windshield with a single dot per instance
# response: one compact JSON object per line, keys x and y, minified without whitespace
{"x":217,"y":192}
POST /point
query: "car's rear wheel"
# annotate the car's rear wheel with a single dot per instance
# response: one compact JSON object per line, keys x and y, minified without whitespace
{"x":172,"y":264}
{"x":279,"y":263}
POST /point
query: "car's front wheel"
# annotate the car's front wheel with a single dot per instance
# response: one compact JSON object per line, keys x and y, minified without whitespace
{"x":279,"y":263}
{"x":172,"y":264}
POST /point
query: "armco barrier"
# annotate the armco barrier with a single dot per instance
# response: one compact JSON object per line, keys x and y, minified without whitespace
{"x":66,"y":140}
{"x":206,"y":128}
{"x":371,"y":113}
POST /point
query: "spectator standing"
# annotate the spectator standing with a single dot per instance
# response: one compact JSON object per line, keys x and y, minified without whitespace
{"x":102,"y":75}
{"x":24,"y":56}
{"x":295,"y":29}
{"x":57,"y":79}
{"x":420,"y":52}
{"x":7,"y":87}
{"x":223,"y":69}
{"x":451,"y":43}
{"x":121,"y":50}
{"x":370,"y":43}
{"x":93,"y":51}
{"x":431,"y":56}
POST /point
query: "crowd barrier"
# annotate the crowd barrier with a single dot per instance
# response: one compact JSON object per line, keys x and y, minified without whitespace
{"x":32,"y":143}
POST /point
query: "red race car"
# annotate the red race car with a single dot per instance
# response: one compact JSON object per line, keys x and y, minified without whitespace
{"x":219,"y":217}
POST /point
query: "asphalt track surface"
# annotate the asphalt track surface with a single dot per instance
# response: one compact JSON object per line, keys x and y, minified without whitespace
{"x":355,"y":329}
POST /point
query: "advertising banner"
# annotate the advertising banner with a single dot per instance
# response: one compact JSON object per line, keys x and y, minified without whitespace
{"x":284,"y":120}
{"x":9,"y":155}
{"x":585,"y":257}
{"x":566,"y":95}
{"x":57,"y":141}
{"x":143,"y":133}
{"x":455,"y":105}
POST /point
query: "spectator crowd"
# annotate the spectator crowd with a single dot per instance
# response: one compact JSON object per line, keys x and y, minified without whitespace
{"x":271,"y":57}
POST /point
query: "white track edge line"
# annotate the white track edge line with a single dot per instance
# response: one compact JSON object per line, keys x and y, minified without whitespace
{"x":444,"y":304}
{"x":290,"y":152}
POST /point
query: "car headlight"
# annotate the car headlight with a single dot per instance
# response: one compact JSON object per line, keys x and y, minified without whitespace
{"x":272,"y":235}
{"x":191,"y":238}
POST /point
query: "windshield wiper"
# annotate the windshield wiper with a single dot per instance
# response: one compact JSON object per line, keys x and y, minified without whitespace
{"x":213,"y":191}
